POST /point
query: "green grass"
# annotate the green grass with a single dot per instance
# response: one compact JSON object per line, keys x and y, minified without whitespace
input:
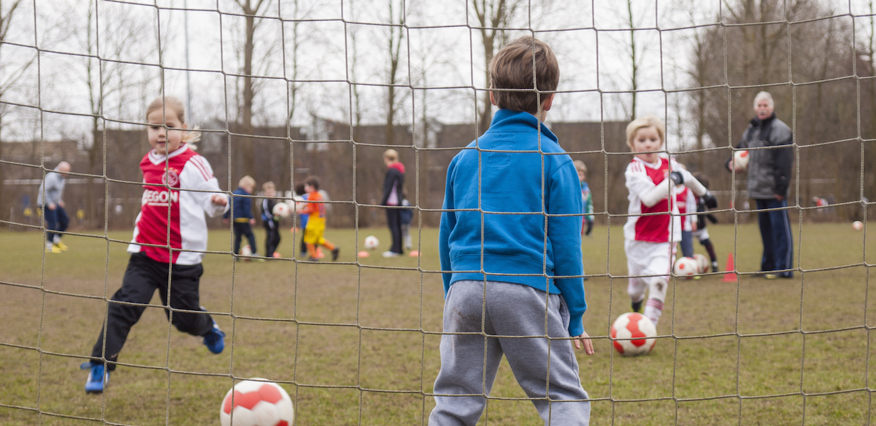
{"x":345,"y":341}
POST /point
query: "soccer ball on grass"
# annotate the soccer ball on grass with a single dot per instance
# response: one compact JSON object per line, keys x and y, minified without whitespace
{"x":640,"y":331}
{"x":253,"y":403}
{"x":371,"y":242}
{"x":685,"y":267}
{"x":702,"y":263}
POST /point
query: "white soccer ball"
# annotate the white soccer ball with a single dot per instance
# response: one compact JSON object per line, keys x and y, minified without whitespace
{"x":252,"y":403}
{"x":685,"y":267}
{"x":702,"y":263}
{"x":740,"y":158}
{"x":281,"y":210}
{"x":640,"y":331}
{"x":246,"y":250}
{"x":371,"y":242}
{"x":857,"y":225}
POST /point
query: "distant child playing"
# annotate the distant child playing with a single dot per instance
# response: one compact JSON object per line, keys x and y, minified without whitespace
{"x":393,"y":187}
{"x":242,"y":214}
{"x":302,"y":218}
{"x":653,"y":226}
{"x":586,"y":196}
{"x":521,"y":253}
{"x":315,"y":231}
{"x":170,"y":236}
{"x":700,"y":232}
{"x":269,"y":221}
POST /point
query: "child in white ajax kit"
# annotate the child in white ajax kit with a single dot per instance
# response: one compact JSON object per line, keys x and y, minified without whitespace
{"x":654,"y":225}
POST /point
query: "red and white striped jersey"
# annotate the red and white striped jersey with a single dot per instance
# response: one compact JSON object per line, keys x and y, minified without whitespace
{"x":641,"y":177}
{"x":173,"y":215}
{"x":687,"y":207}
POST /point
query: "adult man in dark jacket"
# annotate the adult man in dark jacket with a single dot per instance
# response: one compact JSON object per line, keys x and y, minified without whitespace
{"x":769,"y":142}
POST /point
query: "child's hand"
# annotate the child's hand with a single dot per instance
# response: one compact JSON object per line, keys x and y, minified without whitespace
{"x":585,"y":339}
{"x":252,"y":221}
{"x":219,"y":200}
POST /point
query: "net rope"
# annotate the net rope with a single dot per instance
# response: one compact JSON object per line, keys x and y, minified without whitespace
{"x":294,"y":262}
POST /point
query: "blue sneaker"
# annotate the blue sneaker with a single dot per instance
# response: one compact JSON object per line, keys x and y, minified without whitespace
{"x":97,"y":377}
{"x":215,"y":339}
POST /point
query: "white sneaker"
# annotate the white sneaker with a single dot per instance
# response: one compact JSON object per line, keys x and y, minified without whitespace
{"x":390,"y":254}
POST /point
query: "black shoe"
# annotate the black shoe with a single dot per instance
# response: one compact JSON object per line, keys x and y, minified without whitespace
{"x":715,"y":267}
{"x":335,"y":253}
{"x":312,"y":259}
{"x":637,"y":306}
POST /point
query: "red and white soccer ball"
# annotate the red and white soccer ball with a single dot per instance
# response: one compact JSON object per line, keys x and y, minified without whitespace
{"x":371,"y":242}
{"x":740,"y":158}
{"x":246,"y":250}
{"x":281,"y":210}
{"x":702,"y":263}
{"x":857,"y":225}
{"x":256,"y":404}
{"x":636,"y":327}
{"x":685,"y":267}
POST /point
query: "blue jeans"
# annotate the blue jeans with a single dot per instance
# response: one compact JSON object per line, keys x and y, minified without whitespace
{"x":775,"y":231}
{"x":56,"y":220}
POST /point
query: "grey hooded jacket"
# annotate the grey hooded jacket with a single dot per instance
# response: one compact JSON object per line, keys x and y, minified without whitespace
{"x":51,"y":189}
{"x":769,"y":168}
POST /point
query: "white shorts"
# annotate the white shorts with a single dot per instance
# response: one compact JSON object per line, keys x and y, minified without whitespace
{"x":644,"y":258}
{"x":701,"y":234}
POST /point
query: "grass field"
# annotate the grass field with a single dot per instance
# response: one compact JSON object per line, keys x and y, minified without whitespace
{"x":346,"y":341}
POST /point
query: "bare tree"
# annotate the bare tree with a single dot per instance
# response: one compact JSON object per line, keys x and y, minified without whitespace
{"x":634,"y":64}
{"x":11,"y":73}
{"x":250,"y":9}
{"x":108,"y":35}
{"x":355,"y":92}
{"x":394,"y":44}
{"x":769,"y":50}
{"x":493,"y":17}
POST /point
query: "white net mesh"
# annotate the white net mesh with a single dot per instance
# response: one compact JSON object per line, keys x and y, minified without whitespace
{"x":285,"y":89}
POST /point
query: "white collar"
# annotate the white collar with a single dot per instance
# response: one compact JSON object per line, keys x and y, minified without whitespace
{"x":651,"y":165}
{"x":157,"y":158}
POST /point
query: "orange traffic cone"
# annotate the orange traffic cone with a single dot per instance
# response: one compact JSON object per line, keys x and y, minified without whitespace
{"x":730,"y":276}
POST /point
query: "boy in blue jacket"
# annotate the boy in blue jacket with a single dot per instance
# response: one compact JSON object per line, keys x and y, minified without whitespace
{"x":241,"y":214}
{"x":528,"y":205}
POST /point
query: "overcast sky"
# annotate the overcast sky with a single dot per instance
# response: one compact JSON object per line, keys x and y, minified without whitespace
{"x":441,"y":59}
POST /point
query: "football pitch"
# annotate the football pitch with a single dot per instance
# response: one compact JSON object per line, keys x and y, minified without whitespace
{"x":359,"y":345}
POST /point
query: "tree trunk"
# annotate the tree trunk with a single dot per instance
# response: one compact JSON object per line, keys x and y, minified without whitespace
{"x":95,"y":163}
{"x":246,"y":142}
{"x":487,"y":112}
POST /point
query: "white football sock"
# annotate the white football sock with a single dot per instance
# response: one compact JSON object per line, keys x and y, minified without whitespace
{"x":653,"y":310}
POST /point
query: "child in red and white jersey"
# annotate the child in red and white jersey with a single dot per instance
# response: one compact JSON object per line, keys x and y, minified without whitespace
{"x":170,"y":236}
{"x":687,"y":207}
{"x":653,"y":226}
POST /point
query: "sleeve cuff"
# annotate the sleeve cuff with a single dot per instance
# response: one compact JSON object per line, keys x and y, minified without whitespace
{"x":576,"y":327}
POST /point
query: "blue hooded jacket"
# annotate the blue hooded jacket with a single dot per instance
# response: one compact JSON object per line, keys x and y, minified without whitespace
{"x":528,"y":204}
{"x":242,"y":205}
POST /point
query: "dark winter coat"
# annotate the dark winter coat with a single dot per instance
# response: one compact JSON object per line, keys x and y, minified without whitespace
{"x":769,"y":169}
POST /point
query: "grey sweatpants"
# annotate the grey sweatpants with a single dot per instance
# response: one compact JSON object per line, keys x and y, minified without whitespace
{"x":546,"y":369}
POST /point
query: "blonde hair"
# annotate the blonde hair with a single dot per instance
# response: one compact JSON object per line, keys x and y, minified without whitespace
{"x":268,"y":185}
{"x":390,"y":154}
{"x":579,"y":165}
{"x":511,"y":68}
{"x":172,"y":103}
{"x":643,"y":122}
{"x":247,"y":182}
